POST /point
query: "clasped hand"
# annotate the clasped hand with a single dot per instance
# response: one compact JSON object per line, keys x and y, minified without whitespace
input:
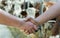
{"x":29,"y":26}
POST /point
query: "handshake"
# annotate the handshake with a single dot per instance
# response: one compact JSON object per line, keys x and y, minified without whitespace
{"x":29,"y":26}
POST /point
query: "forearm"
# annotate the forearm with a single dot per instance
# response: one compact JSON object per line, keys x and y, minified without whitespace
{"x":8,"y":19}
{"x":51,"y":13}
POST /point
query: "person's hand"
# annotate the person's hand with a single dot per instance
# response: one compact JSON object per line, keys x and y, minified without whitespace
{"x":32,"y":20}
{"x":29,"y":27}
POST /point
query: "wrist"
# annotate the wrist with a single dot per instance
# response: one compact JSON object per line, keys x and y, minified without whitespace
{"x":36,"y":21}
{"x":17,"y":24}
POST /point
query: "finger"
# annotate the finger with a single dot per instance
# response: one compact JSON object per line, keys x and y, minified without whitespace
{"x":26,"y":29}
{"x":35,"y":27}
{"x":28,"y":19}
{"x":32,"y":30}
{"x":27,"y":32}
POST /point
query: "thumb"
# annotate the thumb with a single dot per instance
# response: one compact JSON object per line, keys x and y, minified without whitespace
{"x":28,"y":19}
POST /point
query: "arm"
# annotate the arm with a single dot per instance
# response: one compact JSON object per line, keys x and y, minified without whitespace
{"x":51,"y":13}
{"x":8,"y":19}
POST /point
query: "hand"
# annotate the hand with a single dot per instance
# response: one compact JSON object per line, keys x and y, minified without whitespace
{"x":32,"y":20}
{"x":29,"y":27}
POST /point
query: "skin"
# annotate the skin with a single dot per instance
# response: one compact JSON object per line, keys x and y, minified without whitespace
{"x":6,"y":18}
{"x":10,"y":20}
{"x":52,"y":12}
{"x":29,"y":26}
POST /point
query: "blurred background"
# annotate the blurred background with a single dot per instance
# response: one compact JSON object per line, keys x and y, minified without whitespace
{"x":32,"y":8}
